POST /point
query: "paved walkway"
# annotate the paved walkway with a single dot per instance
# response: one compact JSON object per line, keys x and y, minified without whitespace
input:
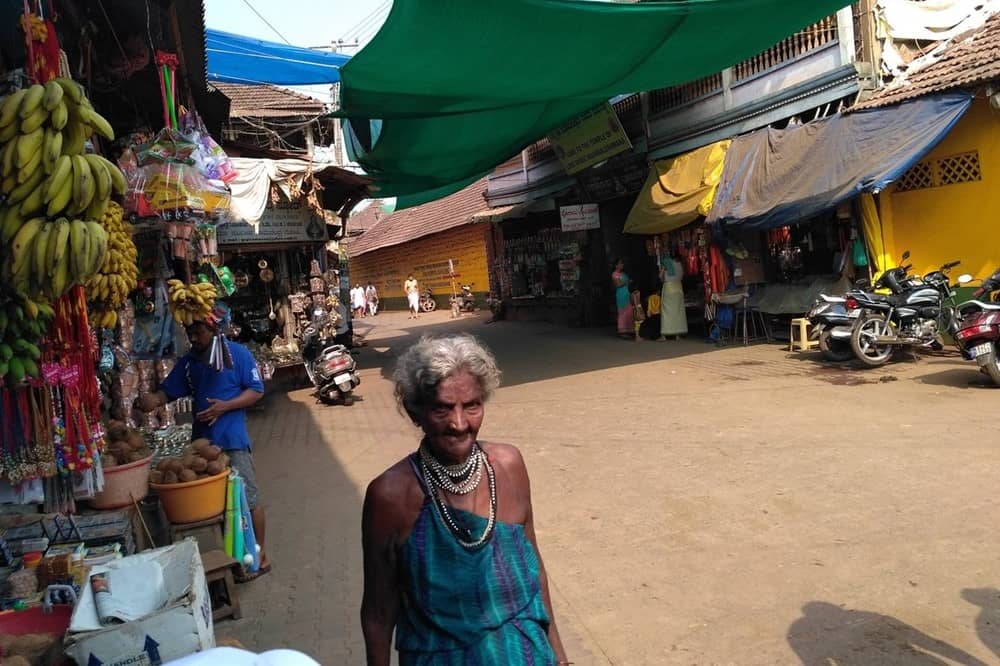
{"x":694,"y":505}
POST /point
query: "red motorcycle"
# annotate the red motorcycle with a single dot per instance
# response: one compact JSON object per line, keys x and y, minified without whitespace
{"x":977,"y":328}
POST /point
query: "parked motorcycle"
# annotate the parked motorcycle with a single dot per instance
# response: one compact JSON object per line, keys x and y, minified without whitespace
{"x":832,"y":325}
{"x":330,"y":367}
{"x":427,"y":302}
{"x":976,"y":329}
{"x":912,"y":316}
{"x":465,"y":301}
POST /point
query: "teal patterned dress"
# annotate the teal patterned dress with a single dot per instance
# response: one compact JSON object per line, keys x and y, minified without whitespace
{"x":471,"y":608}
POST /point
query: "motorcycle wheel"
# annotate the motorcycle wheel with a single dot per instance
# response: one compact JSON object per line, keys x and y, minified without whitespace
{"x":833,"y":349}
{"x":428,"y":305}
{"x":993,"y":370}
{"x":328,"y":396}
{"x":866,"y":351}
{"x":347,"y":397}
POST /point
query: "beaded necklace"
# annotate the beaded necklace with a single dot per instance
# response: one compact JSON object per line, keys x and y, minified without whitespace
{"x":462,"y":535}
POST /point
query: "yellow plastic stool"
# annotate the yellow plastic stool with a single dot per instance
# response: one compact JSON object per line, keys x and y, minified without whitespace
{"x":803,"y":343}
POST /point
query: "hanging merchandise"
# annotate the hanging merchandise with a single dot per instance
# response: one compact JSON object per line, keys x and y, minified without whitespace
{"x":42,"y":46}
{"x":108,"y":288}
{"x":192,"y":302}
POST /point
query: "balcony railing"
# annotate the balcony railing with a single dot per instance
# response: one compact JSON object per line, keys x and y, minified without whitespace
{"x":671,"y":98}
{"x":817,"y":35}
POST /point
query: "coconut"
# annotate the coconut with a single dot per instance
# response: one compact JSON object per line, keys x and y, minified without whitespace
{"x":201,"y":443}
{"x":135,"y":440}
{"x":188,"y":460}
{"x":187,"y":475}
{"x":170,"y":477}
{"x":214,"y":467}
{"x":163,"y":465}
{"x":156,"y":476}
{"x":117,"y":433}
{"x":199,"y":464}
{"x":136,"y":456}
{"x":176,"y":466}
{"x":211,"y":453}
{"x":109,"y":460}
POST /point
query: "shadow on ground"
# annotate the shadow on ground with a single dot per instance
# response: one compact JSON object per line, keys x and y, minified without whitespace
{"x":988,"y":620}
{"x":828,"y":634}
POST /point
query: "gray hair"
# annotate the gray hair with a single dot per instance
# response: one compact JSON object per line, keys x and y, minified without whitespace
{"x":433,"y":359}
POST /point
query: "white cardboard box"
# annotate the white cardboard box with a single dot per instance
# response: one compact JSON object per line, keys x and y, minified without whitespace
{"x":179,"y":628}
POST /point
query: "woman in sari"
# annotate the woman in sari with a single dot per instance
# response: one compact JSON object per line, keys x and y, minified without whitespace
{"x":623,"y":302}
{"x":673,"y":318}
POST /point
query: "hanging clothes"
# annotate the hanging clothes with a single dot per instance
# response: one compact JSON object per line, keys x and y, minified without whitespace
{"x":673,"y":316}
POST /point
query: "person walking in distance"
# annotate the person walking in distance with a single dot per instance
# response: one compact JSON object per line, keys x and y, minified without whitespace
{"x":412,"y":295}
{"x":371,"y":297}
{"x":451,"y":560}
{"x":221,"y":398}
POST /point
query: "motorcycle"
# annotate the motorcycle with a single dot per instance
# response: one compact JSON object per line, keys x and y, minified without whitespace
{"x":976,"y":330}
{"x":465,"y":301}
{"x":427,"y":302}
{"x":330,"y":367}
{"x":912,"y":316}
{"x":832,"y":325}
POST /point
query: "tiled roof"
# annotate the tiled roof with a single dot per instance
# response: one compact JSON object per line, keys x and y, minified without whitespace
{"x":266,"y":101}
{"x":968,"y":61}
{"x":360,"y":222}
{"x":430,"y":218}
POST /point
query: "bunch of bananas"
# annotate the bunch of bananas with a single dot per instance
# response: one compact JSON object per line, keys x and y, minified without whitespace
{"x":191,"y":302}
{"x":45,"y":174}
{"x":22,"y":325}
{"x":118,"y":276}
{"x":48,"y":257}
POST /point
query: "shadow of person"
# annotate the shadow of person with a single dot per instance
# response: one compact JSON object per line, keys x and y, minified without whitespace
{"x":828,"y":635}
{"x":988,"y":620}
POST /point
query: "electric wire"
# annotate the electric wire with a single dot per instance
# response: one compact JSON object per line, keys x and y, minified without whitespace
{"x":357,"y":27}
{"x":266,"y":22}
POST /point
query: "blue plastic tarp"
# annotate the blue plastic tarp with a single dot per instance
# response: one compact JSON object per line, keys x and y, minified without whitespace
{"x":777,"y":177}
{"x":238,"y":59}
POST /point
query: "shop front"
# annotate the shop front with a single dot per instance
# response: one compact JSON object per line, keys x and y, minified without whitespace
{"x":279,"y":268}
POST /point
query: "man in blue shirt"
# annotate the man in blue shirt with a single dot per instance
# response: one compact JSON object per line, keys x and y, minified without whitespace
{"x":220,"y":403}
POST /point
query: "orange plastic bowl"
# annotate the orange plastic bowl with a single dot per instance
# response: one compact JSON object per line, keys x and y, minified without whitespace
{"x":122,"y":484}
{"x":193,"y":501}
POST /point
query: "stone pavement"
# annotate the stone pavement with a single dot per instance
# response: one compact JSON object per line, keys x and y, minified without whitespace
{"x":694,"y":505}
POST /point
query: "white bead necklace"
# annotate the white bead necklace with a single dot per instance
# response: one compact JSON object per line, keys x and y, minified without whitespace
{"x":461,"y":534}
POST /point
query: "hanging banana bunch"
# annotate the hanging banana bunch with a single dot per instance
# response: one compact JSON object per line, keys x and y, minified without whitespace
{"x":109,"y":287}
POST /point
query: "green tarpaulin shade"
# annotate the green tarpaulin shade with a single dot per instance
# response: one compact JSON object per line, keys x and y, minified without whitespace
{"x":461,"y":86}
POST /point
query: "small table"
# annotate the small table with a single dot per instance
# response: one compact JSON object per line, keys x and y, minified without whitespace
{"x":207,"y":532}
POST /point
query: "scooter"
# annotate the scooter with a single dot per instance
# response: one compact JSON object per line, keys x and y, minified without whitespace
{"x":427,"y":302}
{"x":976,"y":328}
{"x":330,"y":367}
{"x":465,"y":301}
{"x":831,"y":325}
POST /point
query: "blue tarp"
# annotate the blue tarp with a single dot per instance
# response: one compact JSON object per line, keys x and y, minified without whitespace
{"x":237,"y":59}
{"x":778,"y":177}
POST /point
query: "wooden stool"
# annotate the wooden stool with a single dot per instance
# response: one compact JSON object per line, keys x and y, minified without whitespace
{"x":207,"y":532}
{"x":801,"y":326}
{"x":221,"y":585}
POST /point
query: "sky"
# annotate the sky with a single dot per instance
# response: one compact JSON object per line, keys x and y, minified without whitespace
{"x":307,"y":23}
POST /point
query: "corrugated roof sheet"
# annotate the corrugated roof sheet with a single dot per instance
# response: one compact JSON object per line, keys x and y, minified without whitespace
{"x":966,"y":62}
{"x":267,"y":101}
{"x":412,"y":223}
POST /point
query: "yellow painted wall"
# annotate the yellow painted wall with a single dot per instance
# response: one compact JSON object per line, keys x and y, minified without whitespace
{"x":953,"y":222}
{"x":427,"y":258}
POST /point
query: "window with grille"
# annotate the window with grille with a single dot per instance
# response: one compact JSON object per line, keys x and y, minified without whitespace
{"x":950,"y":170}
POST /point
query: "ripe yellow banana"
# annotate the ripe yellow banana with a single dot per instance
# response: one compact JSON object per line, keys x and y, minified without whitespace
{"x":58,"y":242}
{"x":27,"y":146}
{"x":98,"y":122}
{"x":83,"y":183}
{"x":99,"y":246}
{"x":21,"y":192}
{"x":10,"y":106}
{"x":75,"y":138}
{"x":32,"y":100}
{"x":51,"y":148}
{"x":53,"y":95}
{"x":7,"y":157}
{"x":22,"y":243}
{"x":101,"y":176}
{"x":59,"y":116}
{"x":71,"y":88}
{"x":28,"y":170}
{"x":12,"y":223}
{"x":33,"y":202}
{"x":118,"y":183}
{"x":63,"y":196}
{"x":60,"y":177}
{"x":34,"y":121}
{"x":77,"y":247}
{"x":39,"y":249}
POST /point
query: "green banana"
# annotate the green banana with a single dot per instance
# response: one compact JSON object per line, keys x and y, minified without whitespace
{"x":8,"y":133}
{"x":7,"y":157}
{"x":74,"y":139}
{"x":26,"y":348}
{"x":27,"y":146}
{"x":9,"y":107}
{"x":15,"y":372}
{"x":31,"y":101}
{"x":6,"y":353}
{"x":98,"y":122}
{"x":71,"y":88}
{"x":53,"y":95}
{"x":33,"y":202}
{"x":60,"y":176}
{"x":30,"y":367}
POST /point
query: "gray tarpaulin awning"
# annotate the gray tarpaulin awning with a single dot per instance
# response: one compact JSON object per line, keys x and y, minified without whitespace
{"x":778,"y":177}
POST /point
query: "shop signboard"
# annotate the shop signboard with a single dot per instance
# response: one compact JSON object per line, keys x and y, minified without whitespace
{"x":588,"y":139}
{"x":621,"y":176}
{"x":284,"y":222}
{"x":580,"y":218}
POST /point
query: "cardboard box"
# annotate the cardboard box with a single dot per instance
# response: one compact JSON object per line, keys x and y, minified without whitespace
{"x":179,"y":628}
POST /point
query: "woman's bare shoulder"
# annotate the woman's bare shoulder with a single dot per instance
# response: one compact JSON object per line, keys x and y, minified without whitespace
{"x":507,"y":455}
{"x":393,"y":486}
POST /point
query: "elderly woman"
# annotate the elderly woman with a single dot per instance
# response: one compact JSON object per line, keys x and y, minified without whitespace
{"x":451,"y":560}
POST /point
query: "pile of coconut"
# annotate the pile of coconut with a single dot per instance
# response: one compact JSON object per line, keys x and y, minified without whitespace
{"x":204,"y":460}
{"x":124,"y":445}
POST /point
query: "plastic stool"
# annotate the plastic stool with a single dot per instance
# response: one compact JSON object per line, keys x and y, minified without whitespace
{"x":803,"y":342}
{"x":751,"y":323}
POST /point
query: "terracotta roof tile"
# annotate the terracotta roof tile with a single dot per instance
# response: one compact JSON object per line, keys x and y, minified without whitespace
{"x":966,"y":62}
{"x":260,"y":101}
{"x":360,"y":222}
{"x":430,"y":218}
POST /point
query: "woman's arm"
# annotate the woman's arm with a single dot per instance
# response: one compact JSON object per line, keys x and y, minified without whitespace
{"x":380,"y":605}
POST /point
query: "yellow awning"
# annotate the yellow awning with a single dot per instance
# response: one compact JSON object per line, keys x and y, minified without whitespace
{"x":678,"y":190}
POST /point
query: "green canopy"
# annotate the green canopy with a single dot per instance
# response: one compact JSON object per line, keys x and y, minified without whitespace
{"x":462,"y":86}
